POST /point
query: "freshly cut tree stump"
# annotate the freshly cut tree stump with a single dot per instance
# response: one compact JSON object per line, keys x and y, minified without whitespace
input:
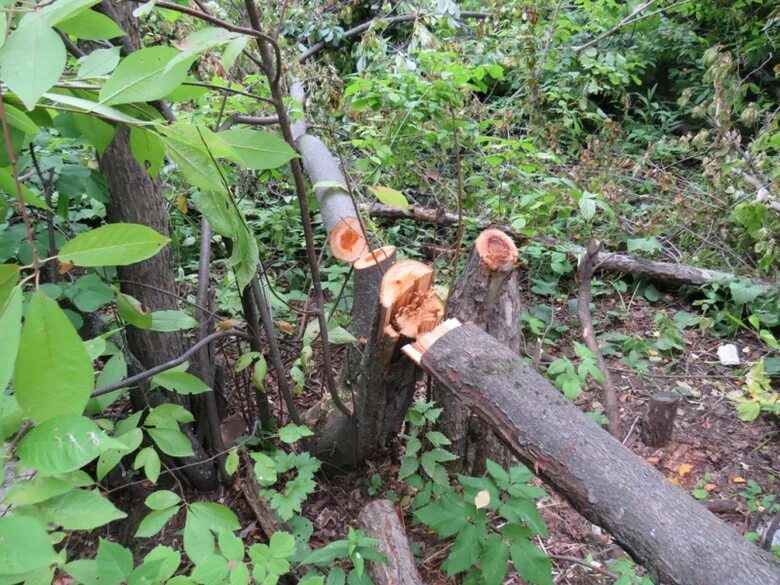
{"x":673,"y":536}
{"x":380,"y":520}
{"x":487,"y":295}
{"x":658,"y":424}
{"x":394,"y":304}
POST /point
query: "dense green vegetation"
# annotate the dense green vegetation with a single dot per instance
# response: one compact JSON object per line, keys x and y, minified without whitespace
{"x":651,"y":126}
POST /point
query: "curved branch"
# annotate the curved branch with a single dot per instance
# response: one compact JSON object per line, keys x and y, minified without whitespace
{"x":361,"y":28}
{"x":145,"y":375}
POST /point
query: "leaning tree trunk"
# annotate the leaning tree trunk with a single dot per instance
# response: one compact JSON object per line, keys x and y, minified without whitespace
{"x":487,"y":295}
{"x":675,"y":537}
{"x":394,"y":304}
{"x":137,"y":198}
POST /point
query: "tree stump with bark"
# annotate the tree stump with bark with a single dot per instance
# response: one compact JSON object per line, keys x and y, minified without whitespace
{"x":487,"y":295}
{"x":658,"y":424}
{"x":394,"y":304}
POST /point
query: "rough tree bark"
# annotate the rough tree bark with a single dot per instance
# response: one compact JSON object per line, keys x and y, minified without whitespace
{"x":137,"y":198}
{"x":394,"y":303}
{"x":675,"y":537}
{"x":380,"y":520}
{"x":487,"y":295}
{"x":666,"y":273}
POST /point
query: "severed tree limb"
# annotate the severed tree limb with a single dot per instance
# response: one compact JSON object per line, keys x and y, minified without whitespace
{"x":380,"y":520}
{"x":663,"y":272}
{"x":661,"y":526}
{"x":608,"y":393}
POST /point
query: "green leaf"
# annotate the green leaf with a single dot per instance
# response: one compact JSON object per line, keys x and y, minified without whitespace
{"x":180,"y":382}
{"x":90,"y":293}
{"x":233,"y":50}
{"x":53,"y":372}
{"x":445,"y":516}
{"x":158,"y":566}
{"x":247,"y":360}
{"x":98,"y":62}
{"x":96,"y":131}
{"x":216,"y":517}
{"x":110,"y":458}
{"x":649,"y":245}
{"x":64,"y":443}
{"x":169,"y":415}
{"x":198,"y":540}
{"x":282,"y":544}
{"x":494,"y":560}
{"x":258,"y":149}
{"x":231,"y":546}
{"x":147,"y":149}
{"x":81,"y":509}
{"x":213,"y":569}
{"x":195,"y":163}
{"x":142,"y":77}
{"x":55,"y":12}
{"x":116,"y":244}
{"x":231,"y":462}
{"x":114,"y":562}
{"x":155,"y":521}
{"x":464,"y":552}
{"x":748,"y":410}
{"x":90,"y":107}
{"x":132,"y":311}
{"x":114,"y":371}
{"x":8,"y":185}
{"x":532,"y":564}
{"x":171,"y":442}
{"x":162,"y":499}
{"x":172,"y":321}
{"x":202,"y":40}
{"x":389,"y":196}
{"x":291,"y":433}
{"x":10,"y":333}
{"x":24,"y":545}
{"x":18,"y":119}
{"x":31,"y":61}
{"x":150,"y":461}
{"x":743,"y":291}
{"x":91,"y":26}
{"x":41,"y":488}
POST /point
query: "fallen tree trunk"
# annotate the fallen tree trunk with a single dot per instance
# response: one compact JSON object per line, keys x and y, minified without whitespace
{"x":487,"y":295}
{"x":394,"y":304}
{"x":672,"y":535}
{"x":380,"y":520}
{"x":666,"y":273}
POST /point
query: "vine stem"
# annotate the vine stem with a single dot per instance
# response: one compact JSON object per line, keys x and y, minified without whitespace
{"x":20,"y":197}
{"x":271,"y":64}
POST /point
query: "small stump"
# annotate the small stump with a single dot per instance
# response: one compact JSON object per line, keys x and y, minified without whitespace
{"x":658,"y":425}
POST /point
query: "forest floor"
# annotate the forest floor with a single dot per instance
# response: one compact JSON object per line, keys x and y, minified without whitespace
{"x":712,"y":451}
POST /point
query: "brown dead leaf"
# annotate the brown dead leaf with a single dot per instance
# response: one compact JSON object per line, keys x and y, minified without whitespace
{"x":738,"y":479}
{"x":64,"y":267}
{"x":227,"y":324}
{"x":685,"y":469}
{"x":653,"y":460}
{"x":710,"y":487}
{"x":284,"y":327}
{"x":181,"y":203}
